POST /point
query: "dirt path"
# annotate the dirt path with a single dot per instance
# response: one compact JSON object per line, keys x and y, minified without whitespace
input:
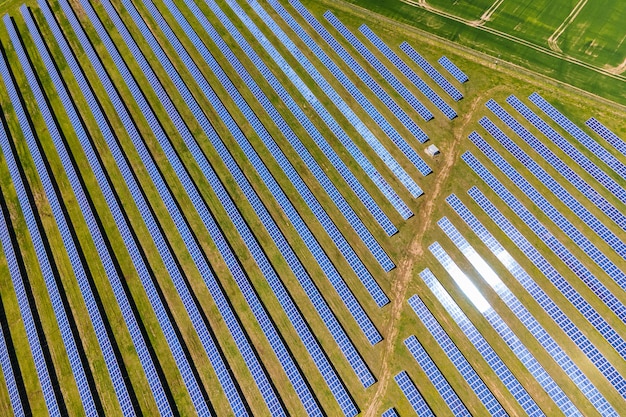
{"x":487,"y":15}
{"x":618,"y":69}
{"x":414,"y":251}
{"x":552,"y":40}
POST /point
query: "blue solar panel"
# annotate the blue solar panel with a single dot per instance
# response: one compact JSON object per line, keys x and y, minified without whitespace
{"x":607,"y":135}
{"x":571,"y":369}
{"x":562,"y":194}
{"x":27,"y":318}
{"x":431,"y":71}
{"x":343,"y":107}
{"x":380,"y":67}
{"x":568,"y":173}
{"x":151,"y":223}
{"x":499,"y":325}
{"x":578,"y":157}
{"x":332,"y":274}
{"x":548,"y":305}
{"x":263,"y":262}
{"x":328,"y":119}
{"x":411,"y":393}
{"x":357,"y":265}
{"x":408,"y":72}
{"x":584,"y":139}
{"x":596,"y":320}
{"x":66,"y":235}
{"x":390,"y":412}
{"x":428,"y":366}
{"x":197,"y":255}
{"x":453,"y":69}
{"x":555,"y":245}
{"x":284,"y":247}
{"x":370,"y":82}
{"x":363,"y":101}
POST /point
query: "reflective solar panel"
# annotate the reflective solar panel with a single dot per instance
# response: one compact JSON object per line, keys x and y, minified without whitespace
{"x":339,"y":102}
{"x":363,"y":75}
{"x":390,"y":412}
{"x":569,"y":149}
{"x":380,"y":67}
{"x":538,"y":294}
{"x":559,"y":165}
{"x":544,"y":234}
{"x":408,"y":72}
{"x":502,"y":329}
{"x":571,"y":369}
{"x":356,"y":93}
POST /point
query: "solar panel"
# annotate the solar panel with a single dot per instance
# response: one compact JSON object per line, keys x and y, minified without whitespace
{"x":568,"y":173}
{"x":337,"y":237}
{"x":285,"y":248}
{"x":356,"y":93}
{"x":431,"y":71}
{"x":7,"y":372}
{"x":548,"y":208}
{"x":332,"y":274}
{"x":412,"y":394}
{"x":151,"y":223}
{"x":365,"y":78}
{"x":328,"y":89}
{"x":336,"y":129}
{"x":242,"y":342}
{"x":577,"y":133}
{"x":585,"y":163}
{"x":502,"y":329}
{"x":596,"y":320}
{"x":539,"y":295}
{"x":380,"y":67}
{"x":571,"y":369}
{"x":453,"y":69}
{"x":390,"y":412}
{"x":607,"y":135}
{"x":71,"y":348}
{"x":430,"y":369}
{"x":408,"y":72}
{"x":544,"y":234}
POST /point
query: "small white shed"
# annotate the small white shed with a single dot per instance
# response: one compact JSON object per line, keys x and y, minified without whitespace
{"x":432,"y":150}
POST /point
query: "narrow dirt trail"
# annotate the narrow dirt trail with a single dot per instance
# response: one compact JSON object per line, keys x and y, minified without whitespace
{"x":414,"y":251}
{"x":552,"y":40}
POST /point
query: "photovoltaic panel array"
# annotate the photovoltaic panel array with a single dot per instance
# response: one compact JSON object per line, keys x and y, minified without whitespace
{"x":548,"y":208}
{"x":380,"y":67}
{"x":547,"y":237}
{"x":578,"y":134}
{"x":390,"y":412}
{"x":607,"y":135}
{"x":328,"y":89}
{"x":570,"y":150}
{"x":529,"y":360}
{"x":547,"y":341}
{"x":356,"y":93}
{"x":539,"y":295}
{"x":149,"y":219}
{"x":312,"y":100}
{"x":307,"y":284}
{"x":436,"y":76}
{"x":587,"y":310}
{"x":363,"y":75}
{"x":449,"y":66}
{"x":618,"y":217}
{"x":431,"y":370}
{"x":408,"y":72}
{"x":412,"y":394}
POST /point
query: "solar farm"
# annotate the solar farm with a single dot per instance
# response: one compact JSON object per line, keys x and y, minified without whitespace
{"x":227,"y":207}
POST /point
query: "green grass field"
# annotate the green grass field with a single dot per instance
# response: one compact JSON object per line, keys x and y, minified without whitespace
{"x":578,"y":92}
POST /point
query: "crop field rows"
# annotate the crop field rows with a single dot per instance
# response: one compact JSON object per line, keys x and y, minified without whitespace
{"x":227,"y":208}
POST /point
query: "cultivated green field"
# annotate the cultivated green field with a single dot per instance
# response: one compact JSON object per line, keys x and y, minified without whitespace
{"x":408,"y":248}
